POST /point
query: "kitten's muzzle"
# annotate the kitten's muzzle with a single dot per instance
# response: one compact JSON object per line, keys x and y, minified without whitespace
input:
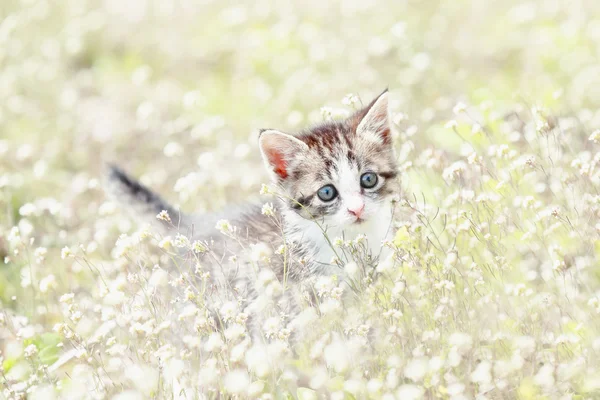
{"x":357,"y":210}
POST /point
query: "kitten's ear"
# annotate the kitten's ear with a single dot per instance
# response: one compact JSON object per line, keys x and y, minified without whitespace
{"x":376,"y":119}
{"x":278,"y":149}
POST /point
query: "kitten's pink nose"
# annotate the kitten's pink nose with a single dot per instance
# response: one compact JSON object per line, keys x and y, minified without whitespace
{"x":356,"y":209}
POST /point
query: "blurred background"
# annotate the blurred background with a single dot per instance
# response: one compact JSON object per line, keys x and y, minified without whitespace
{"x":178,"y":89}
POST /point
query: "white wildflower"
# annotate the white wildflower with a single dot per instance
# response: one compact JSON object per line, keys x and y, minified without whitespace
{"x":545,"y":376}
{"x":351,"y":100}
{"x":173,"y":369}
{"x":455,"y":389}
{"x":234,"y":331}
{"x":363,"y":330}
{"x":114,"y":297}
{"x":454,"y":171}
{"x":324,"y":285}
{"x":173,"y":149}
{"x":181,"y":241}
{"x":327,"y":113}
{"x":260,"y":252}
{"x":397,"y":290}
{"x":30,"y":351}
{"x":452,"y":124}
{"x":189,"y":311}
{"x":65,"y":252}
{"x":164,"y":216}
{"x":595,"y":136}
{"x":48,"y":283}
{"x":159,"y":278}
{"x":474,"y":158}
{"x":214,"y":343}
{"x":145,"y":378}
{"x":374,"y":386}
{"x":461,"y":342}
{"x":116,"y":350}
{"x":27,"y":209}
{"x":336,"y":292}
{"x":199,"y":247}
{"x":387,"y":264}
{"x":257,"y":361}
{"x":229,"y":310}
{"x":482,"y":373}
{"x":224,"y":227}
{"x":351,"y":269}
{"x":416,"y":369}
{"x":271,"y":327}
{"x":165,"y":243}
{"x":14,"y":237}
{"x":525,"y":344}
{"x":337,"y":356}
{"x":459,"y":108}
{"x":209,"y":372}
{"x":236,"y":381}
{"x":67,"y":298}
{"x":40,"y":254}
{"x":255,"y":388}
{"x":268,"y":209}
{"x":410,"y":392}
{"x":265,"y":189}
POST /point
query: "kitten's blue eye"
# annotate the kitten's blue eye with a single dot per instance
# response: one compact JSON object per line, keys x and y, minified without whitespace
{"x":368,"y":180}
{"x":327,"y":193}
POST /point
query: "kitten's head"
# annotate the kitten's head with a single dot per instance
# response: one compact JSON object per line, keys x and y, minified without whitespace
{"x":341,"y":172}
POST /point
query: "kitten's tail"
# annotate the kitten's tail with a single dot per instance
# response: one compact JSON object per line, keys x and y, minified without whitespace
{"x":145,"y":204}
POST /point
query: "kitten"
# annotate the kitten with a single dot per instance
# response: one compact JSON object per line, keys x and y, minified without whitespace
{"x":334,"y":180}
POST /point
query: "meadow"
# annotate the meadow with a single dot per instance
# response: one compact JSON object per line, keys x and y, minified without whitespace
{"x":494,"y":290}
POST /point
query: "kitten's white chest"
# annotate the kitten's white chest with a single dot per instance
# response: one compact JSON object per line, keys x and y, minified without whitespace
{"x":321,"y":239}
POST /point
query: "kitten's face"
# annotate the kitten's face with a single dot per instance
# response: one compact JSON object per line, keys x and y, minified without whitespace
{"x":341,"y":173}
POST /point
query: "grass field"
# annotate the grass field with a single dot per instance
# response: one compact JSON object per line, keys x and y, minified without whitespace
{"x":495,"y":289}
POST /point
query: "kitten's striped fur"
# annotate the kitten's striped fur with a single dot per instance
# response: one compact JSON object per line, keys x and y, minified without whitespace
{"x":334,"y":153}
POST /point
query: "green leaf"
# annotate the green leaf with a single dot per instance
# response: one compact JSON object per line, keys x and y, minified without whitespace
{"x":527,"y":390}
{"x":46,"y":344}
{"x":9,"y":363}
{"x":48,"y":355}
{"x":402,"y":238}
